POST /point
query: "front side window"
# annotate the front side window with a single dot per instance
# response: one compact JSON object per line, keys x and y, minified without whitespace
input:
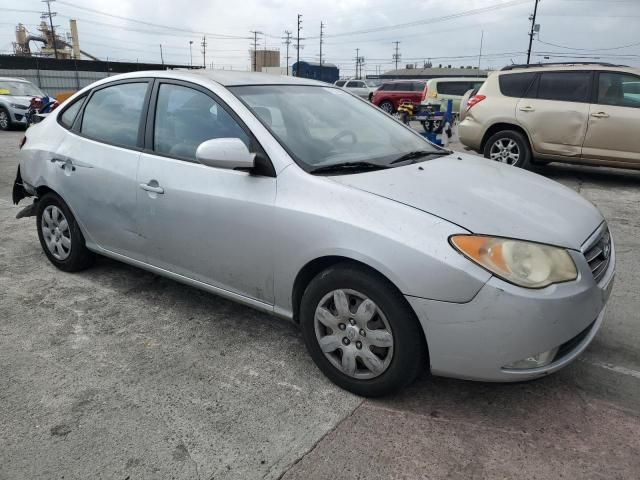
{"x":186,"y":117}
{"x":113,"y":114}
{"x":619,"y":89}
{"x":565,"y":86}
{"x":340,"y":83}
{"x":356,"y":84}
{"x":324,"y":126}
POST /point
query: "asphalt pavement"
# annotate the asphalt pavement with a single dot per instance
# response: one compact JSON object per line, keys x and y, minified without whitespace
{"x":116,"y":373}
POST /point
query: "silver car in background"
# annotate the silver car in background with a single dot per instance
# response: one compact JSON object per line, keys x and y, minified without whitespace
{"x":15,"y":97}
{"x":301,"y":200}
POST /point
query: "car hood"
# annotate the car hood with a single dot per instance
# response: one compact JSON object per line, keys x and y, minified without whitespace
{"x":17,"y":99}
{"x":486,"y":197}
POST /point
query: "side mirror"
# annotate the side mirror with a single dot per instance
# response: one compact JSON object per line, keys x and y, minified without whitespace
{"x":228,"y":153}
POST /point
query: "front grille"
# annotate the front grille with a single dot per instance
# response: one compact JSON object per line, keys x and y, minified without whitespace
{"x":598,"y":255}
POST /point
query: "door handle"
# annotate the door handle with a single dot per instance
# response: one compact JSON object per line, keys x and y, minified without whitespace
{"x":600,"y":115}
{"x":64,"y":163}
{"x":152,"y":188}
{"x":527,"y":109}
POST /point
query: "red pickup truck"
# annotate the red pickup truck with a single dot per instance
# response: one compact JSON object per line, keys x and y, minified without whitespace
{"x":390,"y":94}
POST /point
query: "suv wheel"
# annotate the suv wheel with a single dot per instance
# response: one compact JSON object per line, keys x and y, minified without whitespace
{"x":361,"y":332}
{"x":5,"y":120}
{"x":387,"y":106}
{"x":508,"y":147}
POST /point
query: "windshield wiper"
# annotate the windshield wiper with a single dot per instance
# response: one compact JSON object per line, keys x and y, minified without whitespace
{"x":337,"y":167}
{"x":419,"y":154}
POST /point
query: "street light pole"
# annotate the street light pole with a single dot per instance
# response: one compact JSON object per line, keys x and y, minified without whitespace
{"x":190,"y":53}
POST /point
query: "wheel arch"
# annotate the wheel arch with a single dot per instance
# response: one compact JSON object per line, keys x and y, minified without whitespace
{"x":501,"y":126}
{"x":310,"y":270}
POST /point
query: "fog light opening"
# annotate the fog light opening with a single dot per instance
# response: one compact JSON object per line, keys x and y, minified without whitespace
{"x":534,"y":361}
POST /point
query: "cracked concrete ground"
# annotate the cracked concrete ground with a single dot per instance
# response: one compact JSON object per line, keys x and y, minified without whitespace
{"x":116,"y":373}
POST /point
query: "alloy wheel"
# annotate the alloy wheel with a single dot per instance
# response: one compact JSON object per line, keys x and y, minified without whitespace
{"x":354,"y":334}
{"x":386,"y":107}
{"x":56,"y":232}
{"x":4,"y":120}
{"x":505,"y":150}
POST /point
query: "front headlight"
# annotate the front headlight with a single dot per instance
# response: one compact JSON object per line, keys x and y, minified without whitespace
{"x":529,"y":265}
{"x":20,"y":107}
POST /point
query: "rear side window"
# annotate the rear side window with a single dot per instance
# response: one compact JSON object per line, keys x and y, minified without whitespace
{"x":339,"y":83}
{"x":565,"y":86}
{"x":417,"y":86}
{"x":70,"y":113}
{"x":516,"y":84}
{"x":454,"y":88}
{"x":113,"y":114}
{"x":356,"y":85}
{"x":618,"y":89}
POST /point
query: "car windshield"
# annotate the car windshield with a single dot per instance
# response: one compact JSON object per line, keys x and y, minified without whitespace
{"x":373,"y":83}
{"x":324,"y":126}
{"x":19,"y":89}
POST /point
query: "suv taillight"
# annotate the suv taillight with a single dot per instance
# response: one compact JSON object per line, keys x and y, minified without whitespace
{"x":473,"y":101}
{"x":424,"y":93}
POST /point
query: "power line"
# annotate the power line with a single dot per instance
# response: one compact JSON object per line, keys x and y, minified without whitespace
{"x":589,"y":49}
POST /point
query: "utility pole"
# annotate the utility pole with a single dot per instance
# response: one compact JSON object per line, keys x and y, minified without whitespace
{"x":357,"y":63}
{"x":190,"y":53}
{"x":480,"y":55}
{"x":396,"y":56}
{"x":51,"y":14}
{"x":161,"y":56}
{"x":255,"y":49}
{"x":532,"y":32}
{"x":321,"y":42}
{"x":287,"y":41}
{"x":203,"y":44}
{"x":298,"y":45}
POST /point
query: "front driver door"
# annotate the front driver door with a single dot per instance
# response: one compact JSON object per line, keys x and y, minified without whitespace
{"x":614,"y":119}
{"x":209,"y":224}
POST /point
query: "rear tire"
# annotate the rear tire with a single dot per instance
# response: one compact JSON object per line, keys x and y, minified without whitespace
{"x":509,"y":147}
{"x":60,"y":235}
{"x":370,"y":322}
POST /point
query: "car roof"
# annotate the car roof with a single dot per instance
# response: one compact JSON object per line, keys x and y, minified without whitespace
{"x":572,"y":67}
{"x":458,"y":79}
{"x":227,"y":78}
{"x":14,"y":79}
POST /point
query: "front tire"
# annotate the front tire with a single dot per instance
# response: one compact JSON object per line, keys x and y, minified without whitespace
{"x":60,"y":235}
{"x":360,"y":331}
{"x":509,"y":147}
{"x":5,"y":119}
{"x":387,"y":106}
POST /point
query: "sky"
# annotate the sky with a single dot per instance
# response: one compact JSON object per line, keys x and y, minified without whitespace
{"x":446,"y":32}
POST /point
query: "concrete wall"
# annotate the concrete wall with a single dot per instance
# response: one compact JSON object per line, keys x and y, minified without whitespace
{"x":53,"y":82}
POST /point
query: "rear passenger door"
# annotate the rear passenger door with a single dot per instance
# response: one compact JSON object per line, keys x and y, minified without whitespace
{"x":98,"y":163}
{"x":208,"y":224}
{"x":614,"y":119}
{"x":555,"y":114}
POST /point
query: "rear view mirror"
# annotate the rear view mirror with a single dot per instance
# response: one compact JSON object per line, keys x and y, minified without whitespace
{"x":229,"y":153}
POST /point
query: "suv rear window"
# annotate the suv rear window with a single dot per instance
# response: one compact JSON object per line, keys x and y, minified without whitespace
{"x":565,"y":86}
{"x":516,"y":84}
{"x":454,"y":88}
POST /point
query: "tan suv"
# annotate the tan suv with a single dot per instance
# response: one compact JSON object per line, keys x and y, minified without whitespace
{"x":577,"y":113}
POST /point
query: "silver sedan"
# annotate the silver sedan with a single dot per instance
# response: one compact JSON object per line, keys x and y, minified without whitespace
{"x":302,"y":200}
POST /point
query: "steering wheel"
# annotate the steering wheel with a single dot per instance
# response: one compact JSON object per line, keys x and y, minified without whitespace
{"x":344,"y":134}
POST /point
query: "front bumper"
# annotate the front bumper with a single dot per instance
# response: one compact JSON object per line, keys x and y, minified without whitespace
{"x":18,"y":117}
{"x":505,"y":323}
